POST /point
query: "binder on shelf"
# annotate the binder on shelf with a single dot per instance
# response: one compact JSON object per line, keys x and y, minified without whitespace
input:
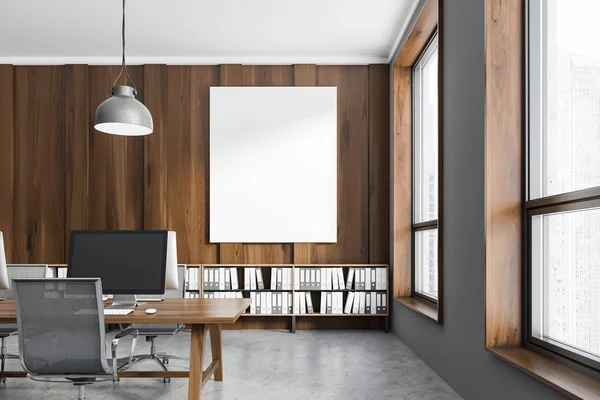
{"x":323,"y":305}
{"x":368,"y":303}
{"x":383,"y":279}
{"x":221,"y":273}
{"x":328,"y":282}
{"x":375,"y":282}
{"x":279,"y":279}
{"x":340,"y":276}
{"x":288,"y":278}
{"x":367,"y":278}
{"x":235,"y":285}
{"x":273,"y":280}
{"x":252,"y":272}
{"x":269,"y":297}
{"x":323,"y":281}
{"x":356,"y":303}
{"x":373,"y":296}
{"x":296,"y":303}
{"x":289,"y":309}
{"x":246,"y":279}
{"x":259,"y":279}
{"x":227,"y":279}
{"x":350,"y":278}
{"x":334,"y":303}
{"x":335,"y":280}
{"x":302,"y":299}
{"x":205,"y":285}
{"x":318,"y":278}
{"x":329,"y":307}
{"x":285,"y":303}
{"x":383,"y":303}
{"x":252,"y":303}
{"x":349,"y":300}
{"x":313,"y":279}
{"x":309,"y":304}
{"x":361,"y":306}
{"x":378,"y":304}
{"x":280,"y":309}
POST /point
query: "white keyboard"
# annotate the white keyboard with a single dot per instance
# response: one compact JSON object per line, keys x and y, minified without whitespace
{"x":117,"y":311}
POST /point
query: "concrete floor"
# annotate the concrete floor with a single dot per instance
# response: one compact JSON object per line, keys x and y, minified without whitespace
{"x":274,"y":365}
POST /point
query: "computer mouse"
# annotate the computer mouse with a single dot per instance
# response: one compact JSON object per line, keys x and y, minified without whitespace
{"x":151,"y":311}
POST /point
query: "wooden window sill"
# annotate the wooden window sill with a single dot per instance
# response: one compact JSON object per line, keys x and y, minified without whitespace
{"x":574,"y":384}
{"x":422,"y":307}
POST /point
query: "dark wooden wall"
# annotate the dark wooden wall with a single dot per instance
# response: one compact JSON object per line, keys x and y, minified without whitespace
{"x":57,"y":173}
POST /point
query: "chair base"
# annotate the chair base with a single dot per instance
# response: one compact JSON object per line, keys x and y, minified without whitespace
{"x":160,"y":358}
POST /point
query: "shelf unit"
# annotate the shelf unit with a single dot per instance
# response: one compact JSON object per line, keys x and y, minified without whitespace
{"x":266,"y":272}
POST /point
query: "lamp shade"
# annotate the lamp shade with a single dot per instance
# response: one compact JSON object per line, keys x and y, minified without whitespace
{"x":122,"y":114}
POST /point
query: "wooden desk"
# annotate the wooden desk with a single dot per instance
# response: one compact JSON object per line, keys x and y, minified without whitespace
{"x":200,"y":314}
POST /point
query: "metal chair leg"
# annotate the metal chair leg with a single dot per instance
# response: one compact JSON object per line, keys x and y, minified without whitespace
{"x":2,"y":357}
{"x":81,"y":392}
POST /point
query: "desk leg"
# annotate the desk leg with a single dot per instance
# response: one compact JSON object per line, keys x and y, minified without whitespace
{"x":216,"y":345}
{"x":196,"y":361}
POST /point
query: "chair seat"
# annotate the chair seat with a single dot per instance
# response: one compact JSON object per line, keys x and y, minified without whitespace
{"x":157,"y":329}
{"x":8,"y":330}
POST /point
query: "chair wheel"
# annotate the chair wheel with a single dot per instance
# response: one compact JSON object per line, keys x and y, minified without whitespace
{"x":116,"y":380}
{"x":165,"y":360}
{"x":2,"y":380}
{"x":167,"y":380}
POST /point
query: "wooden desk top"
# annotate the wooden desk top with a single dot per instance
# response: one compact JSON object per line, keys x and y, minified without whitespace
{"x":169,"y":311}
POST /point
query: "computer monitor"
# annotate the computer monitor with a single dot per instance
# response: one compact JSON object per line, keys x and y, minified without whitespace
{"x":4,"y":284}
{"x":127,"y":262}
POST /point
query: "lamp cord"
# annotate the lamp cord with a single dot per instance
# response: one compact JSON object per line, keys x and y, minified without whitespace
{"x":123,"y":65}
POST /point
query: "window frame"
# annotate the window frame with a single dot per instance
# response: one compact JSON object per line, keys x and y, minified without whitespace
{"x":425,"y":24}
{"x":578,"y":200}
{"x":424,"y":56}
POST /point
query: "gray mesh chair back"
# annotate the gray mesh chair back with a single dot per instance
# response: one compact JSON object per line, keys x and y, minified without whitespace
{"x":22,"y":271}
{"x":61,"y":326}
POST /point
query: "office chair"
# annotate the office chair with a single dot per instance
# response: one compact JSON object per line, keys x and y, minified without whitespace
{"x":7,"y":330}
{"x":153,"y":331}
{"x":61,"y":331}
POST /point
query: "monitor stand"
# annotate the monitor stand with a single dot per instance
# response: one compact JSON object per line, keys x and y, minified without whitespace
{"x":123,"y":301}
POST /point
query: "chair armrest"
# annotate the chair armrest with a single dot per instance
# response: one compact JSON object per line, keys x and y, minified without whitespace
{"x":126,"y":332}
{"x":115,"y":342}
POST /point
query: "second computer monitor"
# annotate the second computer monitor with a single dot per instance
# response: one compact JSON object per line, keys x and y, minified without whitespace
{"x":127,"y":262}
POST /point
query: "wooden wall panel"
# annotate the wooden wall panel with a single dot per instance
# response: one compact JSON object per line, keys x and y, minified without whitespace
{"x":187,"y":158}
{"x":77,"y":135}
{"x":155,"y":148}
{"x":99,"y":181}
{"x":379,"y":164}
{"x":39,"y":169}
{"x":116,"y":162}
{"x":280,"y":75}
{"x":305,"y":75}
{"x":231,"y":75}
{"x":353,"y":159}
{"x":7,"y":147}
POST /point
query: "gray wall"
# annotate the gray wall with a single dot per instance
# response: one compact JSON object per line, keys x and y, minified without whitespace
{"x":456,"y":350}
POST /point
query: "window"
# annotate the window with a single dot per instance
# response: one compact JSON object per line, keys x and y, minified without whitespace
{"x":563,"y":175}
{"x":425,"y":173}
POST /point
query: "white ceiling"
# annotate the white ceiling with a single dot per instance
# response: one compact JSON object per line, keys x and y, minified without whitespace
{"x":202,"y":31}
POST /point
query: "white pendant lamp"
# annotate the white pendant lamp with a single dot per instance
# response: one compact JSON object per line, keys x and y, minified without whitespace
{"x":122,"y":114}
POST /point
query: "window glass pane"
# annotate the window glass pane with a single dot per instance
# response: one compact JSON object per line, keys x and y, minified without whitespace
{"x":426,"y":271}
{"x":564,"y":96}
{"x":425,"y":135}
{"x":566,"y":280}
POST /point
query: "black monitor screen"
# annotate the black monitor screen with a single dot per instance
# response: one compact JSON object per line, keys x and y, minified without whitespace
{"x":127,"y":262}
